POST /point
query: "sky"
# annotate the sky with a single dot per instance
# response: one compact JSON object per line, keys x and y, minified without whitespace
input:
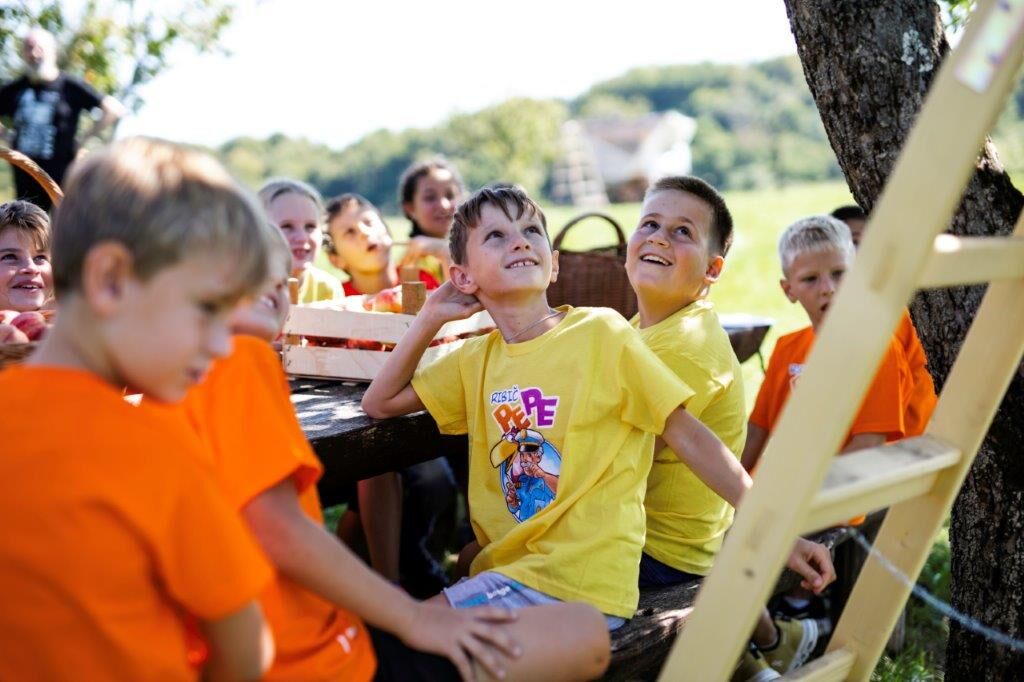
{"x":332,"y":71}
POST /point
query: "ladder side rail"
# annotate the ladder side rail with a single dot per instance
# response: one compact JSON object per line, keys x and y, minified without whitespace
{"x":989,"y":358}
{"x":892,"y":258}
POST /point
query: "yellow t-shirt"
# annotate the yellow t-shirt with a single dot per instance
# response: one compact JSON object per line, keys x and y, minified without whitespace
{"x":560,"y":447}
{"x":319,"y":285}
{"x":686,"y":520}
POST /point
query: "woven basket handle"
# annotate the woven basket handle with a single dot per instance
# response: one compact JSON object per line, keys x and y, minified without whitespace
{"x":19,"y":160}
{"x":593,"y":214}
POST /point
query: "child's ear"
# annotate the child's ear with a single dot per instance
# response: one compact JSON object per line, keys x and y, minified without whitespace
{"x":714,"y":271}
{"x":106,"y":273}
{"x":336,"y":260}
{"x":784,"y":283}
{"x":554,"y":267}
{"x":461,"y":279}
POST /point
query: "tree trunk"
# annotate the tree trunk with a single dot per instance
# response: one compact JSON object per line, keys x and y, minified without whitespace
{"x":869,"y":66}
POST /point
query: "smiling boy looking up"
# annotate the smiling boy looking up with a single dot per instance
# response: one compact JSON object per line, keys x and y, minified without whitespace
{"x":674,"y":257}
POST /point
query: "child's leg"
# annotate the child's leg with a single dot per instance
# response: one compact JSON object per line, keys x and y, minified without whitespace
{"x":380,"y":509}
{"x":466,"y":556}
{"x":566,"y":641}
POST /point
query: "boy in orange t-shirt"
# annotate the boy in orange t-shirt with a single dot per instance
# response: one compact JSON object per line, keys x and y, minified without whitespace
{"x":815,"y":252}
{"x":922,"y":396}
{"x":114,"y":537}
{"x":268,"y":471}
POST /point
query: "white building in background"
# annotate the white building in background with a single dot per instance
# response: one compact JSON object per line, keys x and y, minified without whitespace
{"x":617,"y":158}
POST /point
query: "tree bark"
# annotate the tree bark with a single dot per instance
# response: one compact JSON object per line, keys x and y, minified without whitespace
{"x":869,"y":66}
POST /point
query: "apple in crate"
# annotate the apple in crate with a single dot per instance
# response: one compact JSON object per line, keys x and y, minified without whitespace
{"x":385,"y":301}
{"x":32,"y":324}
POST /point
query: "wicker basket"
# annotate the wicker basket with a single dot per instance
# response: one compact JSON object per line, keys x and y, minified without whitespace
{"x":12,"y":353}
{"x":596,"y":277}
{"x":19,"y":160}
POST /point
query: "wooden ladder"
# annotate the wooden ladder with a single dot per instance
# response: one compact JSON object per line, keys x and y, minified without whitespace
{"x":800,"y":485}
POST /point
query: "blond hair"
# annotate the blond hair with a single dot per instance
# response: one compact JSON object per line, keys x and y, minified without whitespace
{"x":814,"y":234}
{"x":164,"y":203}
{"x":276,"y":187}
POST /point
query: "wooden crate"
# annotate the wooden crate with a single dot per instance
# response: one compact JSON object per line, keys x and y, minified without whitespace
{"x":325,"y":321}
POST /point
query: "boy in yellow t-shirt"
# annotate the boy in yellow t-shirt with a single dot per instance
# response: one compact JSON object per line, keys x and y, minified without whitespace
{"x":562,"y":406}
{"x":676,"y":253}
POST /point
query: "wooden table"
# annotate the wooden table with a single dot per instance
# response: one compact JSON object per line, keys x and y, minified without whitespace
{"x":353,"y":446}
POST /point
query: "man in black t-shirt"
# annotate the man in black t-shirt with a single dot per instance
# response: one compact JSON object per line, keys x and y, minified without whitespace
{"x":44,"y":106}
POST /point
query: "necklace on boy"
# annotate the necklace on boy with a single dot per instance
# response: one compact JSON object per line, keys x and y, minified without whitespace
{"x":531,"y":326}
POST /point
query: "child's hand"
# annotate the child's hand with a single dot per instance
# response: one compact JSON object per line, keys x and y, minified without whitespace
{"x":448,"y":303}
{"x":462,"y":635}
{"x":813,"y":562}
{"x":422,"y":246}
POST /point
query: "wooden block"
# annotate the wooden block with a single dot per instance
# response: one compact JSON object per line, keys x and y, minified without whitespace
{"x":409,"y":274}
{"x":414,"y":295}
{"x":293,"y":296}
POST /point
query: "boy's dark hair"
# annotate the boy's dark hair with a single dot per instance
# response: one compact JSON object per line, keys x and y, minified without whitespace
{"x":467,"y":216}
{"x":721,"y":218}
{"x":27,"y":218}
{"x":337,"y":206}
{"x":850,"y":212}
{"x":411,"y":178}
{"x":339,"y":203}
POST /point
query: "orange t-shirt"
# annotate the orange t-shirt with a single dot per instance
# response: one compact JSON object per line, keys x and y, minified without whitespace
{"x":111,"y":533}
{"x":884,"y":404}
{"x":243,"y":410}
{"x":922,"y":394}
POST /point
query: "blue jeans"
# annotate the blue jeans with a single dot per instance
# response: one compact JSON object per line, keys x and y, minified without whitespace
{"x":494,"y":589}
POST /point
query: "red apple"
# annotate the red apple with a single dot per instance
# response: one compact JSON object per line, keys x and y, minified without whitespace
{"x":11,"y":334}
{"x":387,"y":300}
{"x":33,"y":324}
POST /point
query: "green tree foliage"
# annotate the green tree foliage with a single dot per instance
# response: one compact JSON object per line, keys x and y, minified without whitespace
{"x":515,"y":141}
{"x":116,"y":45}
{"x":757,"y":126}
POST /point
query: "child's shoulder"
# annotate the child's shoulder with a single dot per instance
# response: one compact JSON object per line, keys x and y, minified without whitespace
{"x":114,"y":434}
{"x":793,"y":341}
{"x":597,"y":319}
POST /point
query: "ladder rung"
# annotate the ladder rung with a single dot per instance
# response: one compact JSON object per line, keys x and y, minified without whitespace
{"x":832,"y":667}
{"x":875,"y":478}
{"x":973,"y":260}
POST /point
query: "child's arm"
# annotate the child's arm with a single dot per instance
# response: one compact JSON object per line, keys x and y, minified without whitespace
{"x":714,"y":464}
{"x":756,"y":439}
{"x":305,"y":552}
{"x":391,"y":393}
{"x":862,"y":441}
{"x":241,"y":646}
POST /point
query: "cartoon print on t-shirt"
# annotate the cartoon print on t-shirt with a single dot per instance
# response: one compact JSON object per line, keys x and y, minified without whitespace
{"x":528,"y":464}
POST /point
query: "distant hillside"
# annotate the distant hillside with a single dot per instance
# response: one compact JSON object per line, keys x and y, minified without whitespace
{"x":757,"y":127}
